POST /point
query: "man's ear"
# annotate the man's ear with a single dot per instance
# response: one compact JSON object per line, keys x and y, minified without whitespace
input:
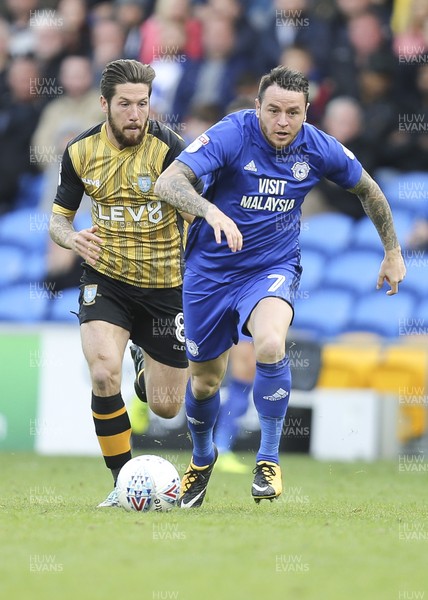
{"x":306,"y":111}
{"x":104,"y":104}
{"x":257,"y":103}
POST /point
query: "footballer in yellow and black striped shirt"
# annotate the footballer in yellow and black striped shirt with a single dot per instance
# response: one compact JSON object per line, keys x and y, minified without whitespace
{"x":131,"y":283}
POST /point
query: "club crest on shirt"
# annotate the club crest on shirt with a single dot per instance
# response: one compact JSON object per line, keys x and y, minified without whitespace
{"x":144,"y":183}
{"x":300,"y":170}
{"x":90,"y":294}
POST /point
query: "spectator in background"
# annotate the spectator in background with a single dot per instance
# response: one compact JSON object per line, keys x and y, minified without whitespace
{"x":300,"y":59}
{"x":343,"y":120}
{"x":19,"y":14}
{"x":233,"y":11}
{"x":19,"y":116}
{"x":199,"y":119}
{"x":4,"y":58}
{"x":410,"y":44}
{"x":131,"y":14}
{"x":75,"y":26}
{"x":292,"y":22}
{"x":380,"y":107}
{"x":407,"y":147}
{"x":165,"y":11}
{"x":421,"y":108}
{"x":256,"y":11}
{"x":352,"y":8}
{"x":49,"y":50}
{"x":169,"y":64}
{"x":107,"y":41}
{"x":76,"y":107}
{"x":365,"y":34}
{"x":213,"y":79}
{"x":412,"y":38}
{"x":246,"y":85}
{"x":418,"y":238}
{"x":368,"y":35}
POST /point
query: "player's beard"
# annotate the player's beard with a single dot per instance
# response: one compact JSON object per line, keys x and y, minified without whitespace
{"x":278,"y":144}
{"x":120,"y":134}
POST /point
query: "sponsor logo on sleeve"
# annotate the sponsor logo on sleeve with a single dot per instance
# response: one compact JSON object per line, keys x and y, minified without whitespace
{"x":348,"y":153}
{"x":202,"y":140}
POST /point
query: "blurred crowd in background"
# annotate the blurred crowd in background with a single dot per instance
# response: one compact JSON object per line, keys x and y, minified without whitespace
{"x":366,"y":60}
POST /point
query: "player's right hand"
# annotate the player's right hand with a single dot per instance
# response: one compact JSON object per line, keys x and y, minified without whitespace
{"x":87,"y":245}
{"x":222,"y":223}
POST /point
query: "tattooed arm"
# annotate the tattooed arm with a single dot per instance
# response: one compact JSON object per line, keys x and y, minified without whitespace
{"x":175,"y":186}
{"x":84,"y":243}
{"x":378,"y":210}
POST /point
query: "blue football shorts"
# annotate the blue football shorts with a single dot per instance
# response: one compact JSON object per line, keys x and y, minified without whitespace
{"x":215,"y":314}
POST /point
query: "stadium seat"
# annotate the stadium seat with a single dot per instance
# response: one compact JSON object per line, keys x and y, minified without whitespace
{"x":384,"y":175}
{"x":403,"y":221}
{"x":325,"y":313}
{"x":365,"y":236}
{"x":313,"y":263}
{"x":354,"y":270}
{"x":17,"y":266}
{"x":12,"y":261}
{"x":35,"y":269}
{"x":412,"y":422}
{"x":421,"y":316}
{"x":409,"y":190}
{"x":328,"y":233}
{"x":23,"y":303}
{"x":82,"y":220}
{"x":348,"y":366}
{"x":416,"y":280}
{"x":60,"y":307}
{"x":381,"y":314}
{"x":404,"y":373}
{"x":403,"y":370}
{"x":28,"y":230}
{"x":30,"y":190}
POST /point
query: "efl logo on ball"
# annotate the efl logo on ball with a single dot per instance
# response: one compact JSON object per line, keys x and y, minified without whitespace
{"x":148,"y":483}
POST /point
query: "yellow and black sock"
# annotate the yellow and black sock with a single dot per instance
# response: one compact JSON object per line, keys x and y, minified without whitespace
{"x":113,"y":430}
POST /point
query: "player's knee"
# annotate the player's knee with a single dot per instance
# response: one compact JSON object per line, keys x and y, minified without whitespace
{"x":104,"y":378}
{"x":205,"y":386}
{"x":270,"y":349}
{"x":167,"y":410}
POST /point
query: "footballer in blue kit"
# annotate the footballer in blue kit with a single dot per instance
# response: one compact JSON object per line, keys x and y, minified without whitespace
{"x":243,"y":257}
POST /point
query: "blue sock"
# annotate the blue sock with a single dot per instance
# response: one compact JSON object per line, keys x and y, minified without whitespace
{"x":201,"y":418}
{"x":271,"y":393}
{"x":234,"y":407}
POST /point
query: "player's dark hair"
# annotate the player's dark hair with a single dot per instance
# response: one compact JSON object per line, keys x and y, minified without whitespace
{"x":286,"y":78}
{"x":124,"y":71}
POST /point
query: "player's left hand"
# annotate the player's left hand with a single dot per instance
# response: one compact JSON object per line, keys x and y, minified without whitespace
{"x":222,"y":223}
{"x":392,"y":270}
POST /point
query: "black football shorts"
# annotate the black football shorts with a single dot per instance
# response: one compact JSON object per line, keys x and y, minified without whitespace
{"x":153,"y":316}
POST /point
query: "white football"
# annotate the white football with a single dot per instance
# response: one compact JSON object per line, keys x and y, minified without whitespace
{"x":147,"y":483}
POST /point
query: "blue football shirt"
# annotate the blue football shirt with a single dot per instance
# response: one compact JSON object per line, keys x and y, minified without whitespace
{"x":262,"y":189}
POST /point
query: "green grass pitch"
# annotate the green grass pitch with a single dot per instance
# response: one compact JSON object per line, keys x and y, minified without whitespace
{"x":340,"y":531}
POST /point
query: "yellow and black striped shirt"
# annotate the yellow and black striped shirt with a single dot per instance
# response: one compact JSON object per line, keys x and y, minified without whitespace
{"x":142,"y":236}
